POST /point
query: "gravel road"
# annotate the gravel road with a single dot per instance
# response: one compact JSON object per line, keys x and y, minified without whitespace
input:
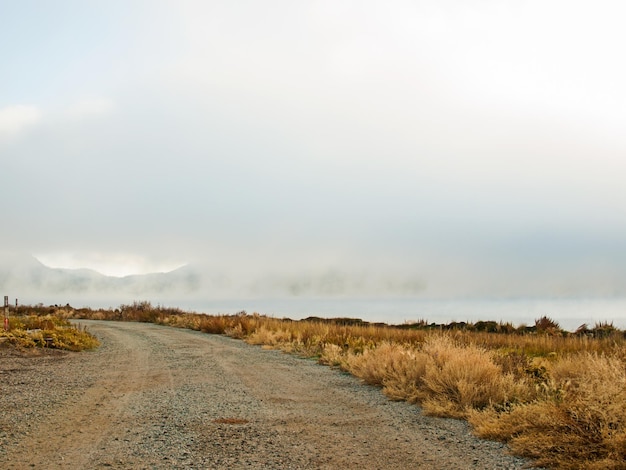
{"x":154,"y":397}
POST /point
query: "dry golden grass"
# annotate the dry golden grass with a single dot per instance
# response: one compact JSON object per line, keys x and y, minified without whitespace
{"x":399,"y":369}
{"x":460,"y":378}
{"x":446,"y":378}
{"x":577,"y":421}
{"x":49,"y":331}
{"x":555,"y":397}
{"x":267,"y":337}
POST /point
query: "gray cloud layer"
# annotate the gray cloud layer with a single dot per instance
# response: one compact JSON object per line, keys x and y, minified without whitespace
{"x":475,"y":147}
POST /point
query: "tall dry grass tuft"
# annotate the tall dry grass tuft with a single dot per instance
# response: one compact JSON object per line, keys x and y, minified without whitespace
{"x":394,"y":367}
{"x":578,"y":420}
{"x":398,"y":369}
{"x":405,"y":378}
{"x":461,"y":378}
{"x":333,"y":355}
{"x":269,"y":337}
{"x":213,"y":325}
{"x":445,"y":377}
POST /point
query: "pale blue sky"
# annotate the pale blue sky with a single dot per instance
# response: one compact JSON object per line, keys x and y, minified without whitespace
{"x":464,"y":142}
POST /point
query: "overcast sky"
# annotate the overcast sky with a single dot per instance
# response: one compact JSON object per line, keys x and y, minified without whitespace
{"x":444,"y":139}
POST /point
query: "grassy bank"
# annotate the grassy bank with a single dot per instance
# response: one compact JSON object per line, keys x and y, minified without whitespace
{"x":556,"y":397}
{"x":49,"y":330}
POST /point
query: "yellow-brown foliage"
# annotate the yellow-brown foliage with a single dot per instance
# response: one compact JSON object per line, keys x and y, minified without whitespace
{"x":333,"y":355}
{"x":555,"y":397}
{"x":267,"y":337}
{"x":578,"y":420}
{"x":463,"y":378}
{"x":48,"y":331}
{"x":399,"y":369}
{"x":446,"y":378}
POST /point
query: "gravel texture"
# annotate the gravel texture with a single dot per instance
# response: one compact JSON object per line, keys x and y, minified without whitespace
{"x":155,"y":397}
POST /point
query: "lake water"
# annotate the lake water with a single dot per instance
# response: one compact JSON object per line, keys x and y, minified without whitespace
{"x":569,"y":313}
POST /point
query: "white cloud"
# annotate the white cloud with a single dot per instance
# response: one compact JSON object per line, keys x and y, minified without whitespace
{"x":14,"y":119}
{"x":91,"y":107}
{"x":325,"y":134}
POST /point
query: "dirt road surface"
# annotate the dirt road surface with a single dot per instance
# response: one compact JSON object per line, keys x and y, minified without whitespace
{"x":154,"y":397}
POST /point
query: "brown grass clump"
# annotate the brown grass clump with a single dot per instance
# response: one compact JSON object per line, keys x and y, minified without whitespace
{"x":399,"y":369}
{"x":464,"y":378}
{"x":578,"y":421}
{"x":48,"y":331}
{"x":333,"y":355}
{"x":270,"y":338}
{"x":446,"y":378}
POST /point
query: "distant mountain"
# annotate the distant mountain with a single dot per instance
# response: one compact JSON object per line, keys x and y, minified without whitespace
{"x":24,"y":276}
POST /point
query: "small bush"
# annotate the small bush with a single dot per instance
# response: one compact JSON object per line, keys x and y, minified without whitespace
{"x":547,"y":325}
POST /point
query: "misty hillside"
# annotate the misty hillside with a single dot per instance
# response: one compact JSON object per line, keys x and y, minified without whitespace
{"x":23,"y":275}
{"x":25,"y":278}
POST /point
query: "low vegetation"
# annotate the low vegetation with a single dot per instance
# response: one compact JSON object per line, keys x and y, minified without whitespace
{"x":50,"y":330}
{"x":556,"y":397}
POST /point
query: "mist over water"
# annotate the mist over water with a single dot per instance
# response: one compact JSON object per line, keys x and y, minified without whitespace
{"x":391,"y":296}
